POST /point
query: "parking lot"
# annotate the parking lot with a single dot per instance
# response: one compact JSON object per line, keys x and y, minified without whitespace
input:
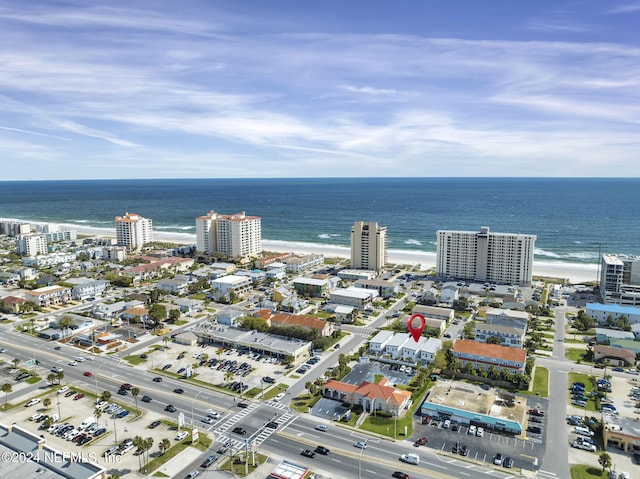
{"x":74,"y":428}
{"x":522,"y":450}
{"x":216,"y":366}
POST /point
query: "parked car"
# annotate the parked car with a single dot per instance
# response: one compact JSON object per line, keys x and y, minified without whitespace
{"x":508,"y":462}
{"x":497,"y":459}
{"x":181,"y":435}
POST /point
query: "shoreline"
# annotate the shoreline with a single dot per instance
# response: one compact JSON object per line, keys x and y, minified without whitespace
{"x":574,"y":273}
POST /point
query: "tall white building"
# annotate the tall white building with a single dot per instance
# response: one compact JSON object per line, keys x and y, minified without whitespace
{"x":133,"y":231}
{"x":620,"y":279}
{"x":235,"y":235}
{"x":32,"y":244}
{"x":368,"y":246}
{"x":503,"y":258}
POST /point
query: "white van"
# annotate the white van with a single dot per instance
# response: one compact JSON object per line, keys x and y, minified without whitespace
{"x":322,"y":427}
{"x":410,"y":458}
{"x":583,"y":431}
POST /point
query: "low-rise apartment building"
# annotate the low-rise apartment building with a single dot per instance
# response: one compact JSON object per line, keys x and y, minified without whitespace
{"x":483,"y":355}
{"x":510,"y":336}
{"x":49,"y":295}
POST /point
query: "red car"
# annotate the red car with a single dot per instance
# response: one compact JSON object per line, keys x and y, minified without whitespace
{"x":88,"y":374}
{"x":400,"y":475}
{"x":126,"y":386}
{"x":420,"y":442}
{"x":78,"y":396}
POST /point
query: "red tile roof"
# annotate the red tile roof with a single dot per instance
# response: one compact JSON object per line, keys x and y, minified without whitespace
{"x":494,"y":351}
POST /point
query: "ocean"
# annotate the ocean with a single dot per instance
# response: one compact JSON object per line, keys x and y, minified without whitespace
{"x":574,"y":219}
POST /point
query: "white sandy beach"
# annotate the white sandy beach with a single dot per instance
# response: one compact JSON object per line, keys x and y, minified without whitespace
{"x":574,"y":273}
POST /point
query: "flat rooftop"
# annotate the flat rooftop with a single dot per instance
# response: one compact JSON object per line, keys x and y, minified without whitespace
{"x":472,"y":398}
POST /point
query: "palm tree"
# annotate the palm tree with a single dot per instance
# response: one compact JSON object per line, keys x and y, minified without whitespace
{"x":6,"y":389}
{"x":148,"y":444}
{"x":219,"y":352}
{"x":46,"y":402}
{"x":134,"y":392}
{"x":164,"y":445}
{"x":105,"y":396}
{"x":97,"y":412}
{"x":138,"y":444}
{"x":59,"y":376}
{"x":113,"y":476}
{"x":52,"y":377}
{"x":228,"y":376}
{"x":15,"y":362}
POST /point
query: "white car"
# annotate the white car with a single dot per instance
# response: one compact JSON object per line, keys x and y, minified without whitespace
{"x":32,"y":402}
{"x":472,"y":430}
{"x":213,"y":414}
{"x":80,"y":359}
{"x":73,"y":363}
{"x":56,"y":369}
{"x":182,"y":435}
{"x":360,"y":444}
{"x":480,"y":432}
{"x":62,"y":389}
{"x":278,"y":397}
{"x":207,"y":420}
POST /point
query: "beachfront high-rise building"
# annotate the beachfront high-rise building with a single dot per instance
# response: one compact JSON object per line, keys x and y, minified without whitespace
{"x":133,"y":231}
{"x":620,"y":279}
{"x":32,"y":244}
{"x":235,"y":235}
{"x":368,"y":246}
{"x":503,"y":258}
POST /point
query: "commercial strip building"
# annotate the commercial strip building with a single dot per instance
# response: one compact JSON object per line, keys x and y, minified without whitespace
{"x":621,"y":433}
{"x":264,"y":343}
{"x":25,"y":447}
{"x":620,"y":279}
{"x":236,"y":235}
{"x":503,"y":258}
{"x":469,"y":404}
{"x":368,"y":246}
{"x":133,"y":231}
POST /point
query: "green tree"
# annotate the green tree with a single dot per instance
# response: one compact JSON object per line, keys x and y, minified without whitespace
{"x":604,"y":460}
{"x":59,"y":376}
{"x":164,"y":445}
{"x":52,"y":378}
{"x":254,"y":324}
{"x":15,"y":362}
{"x":138,"y":443}
{"x":157,"y":313}
{"x":494,"y":340}
{"x":64,"y":323}
{"x":105,"y":396}
{"x":134,"y":392}
{"x":46,"y":402}
{"x":148,"y":444}
{"x":174,"y":314}
{"x":97,"y":413}
{"x":6,"y":388}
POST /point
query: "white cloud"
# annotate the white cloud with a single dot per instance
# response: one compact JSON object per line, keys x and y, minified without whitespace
{"x":292,"y":104}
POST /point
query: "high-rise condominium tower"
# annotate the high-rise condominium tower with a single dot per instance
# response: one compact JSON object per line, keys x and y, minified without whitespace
{"x":133,"y":231}
{"x":620,"y":279}
{"x":368,"y":246}
{"x":503,"y":258}
{"x":235,"y":235}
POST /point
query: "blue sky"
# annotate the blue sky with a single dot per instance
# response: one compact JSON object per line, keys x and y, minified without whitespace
{"x":290,"y":88}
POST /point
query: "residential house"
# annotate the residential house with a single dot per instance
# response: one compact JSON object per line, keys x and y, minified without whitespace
{"x":449,"y":293}
{"x":173,"y":285}
{"x":394,"y":346}
{"x":230,"y":284}
{"x":378,"y":343}
{"x":86,"y":288}
{"x":12,"y":304}
{"x":615,"y":356}
{"x":136,"y":314}
{"x":428,"y":350}
{"x":385,"y":289}
{"x":311,"y":287}
{"x":436,"y":312}
{"x":360,"y":298}
{"x":324,"y":328}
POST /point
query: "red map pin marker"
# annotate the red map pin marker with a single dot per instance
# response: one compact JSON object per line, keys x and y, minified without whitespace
{"x":416,"y":332}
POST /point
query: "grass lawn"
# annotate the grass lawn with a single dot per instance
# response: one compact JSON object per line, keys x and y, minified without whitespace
{"x":581,"y":471}
{"x":385,"y":426}
{"x":541,"y":382}
{"x":304,"y":401}
{"x":576,"y":355}
{"x":135,"y":359}
{"x":275,"y":390}
{"x":238,"y":467}
{"x":32,"y":379}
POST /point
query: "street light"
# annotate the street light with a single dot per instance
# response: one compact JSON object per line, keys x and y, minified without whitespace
{"x":95,"y":377}
{"x":364,"y":446}
{"x":192,"y":403}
